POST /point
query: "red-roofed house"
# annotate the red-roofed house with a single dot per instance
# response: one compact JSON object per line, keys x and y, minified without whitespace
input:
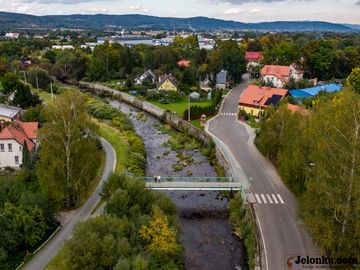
{"x":253,"y":60}
{"x":278,"y":76}
{"x":12,"y":140}
{"x":256,"y":98}
{"x":295,"y":108}
{"x":184,"y":63}
{"x":253,"y":57}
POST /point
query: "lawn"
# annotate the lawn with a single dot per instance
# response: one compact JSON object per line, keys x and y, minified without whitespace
{"x":180,"y":107}
{"x":46,"y":96}
{"x":197,"y":124}
{"x":118,"y":142}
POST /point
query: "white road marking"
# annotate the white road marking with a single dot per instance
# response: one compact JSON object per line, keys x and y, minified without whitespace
{"x":264,"y":199}
{"x":274,"y":198}
{"x":281,"y":200}
{"x":258,"y":198}
{"x":269,"y":198}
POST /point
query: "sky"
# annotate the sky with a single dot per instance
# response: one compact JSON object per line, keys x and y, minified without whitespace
{"x":338,"y":11}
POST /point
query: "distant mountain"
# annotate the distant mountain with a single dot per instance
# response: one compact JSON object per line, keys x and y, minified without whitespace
{"x":11,"y":21}
{"x":353,"y":26}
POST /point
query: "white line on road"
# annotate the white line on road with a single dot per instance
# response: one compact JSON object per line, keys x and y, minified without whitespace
{"x":269,"y":198}
{"x":274,"y":198}
{"x":258,"y":198}
{"x":281,"y":200}
{"x":264,"y":199}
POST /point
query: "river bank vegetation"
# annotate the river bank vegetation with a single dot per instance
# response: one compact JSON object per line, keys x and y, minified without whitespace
{"x":139,"y":231}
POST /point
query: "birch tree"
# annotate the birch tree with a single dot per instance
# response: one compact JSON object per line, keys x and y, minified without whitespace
{"x":69,"y":155}
{"x":331,"y":203}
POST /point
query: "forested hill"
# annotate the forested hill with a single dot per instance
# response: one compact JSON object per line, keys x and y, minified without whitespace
{"x":10,"y":21}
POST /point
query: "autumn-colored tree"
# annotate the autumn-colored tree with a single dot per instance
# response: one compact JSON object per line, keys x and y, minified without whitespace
{"x":160,"y":237}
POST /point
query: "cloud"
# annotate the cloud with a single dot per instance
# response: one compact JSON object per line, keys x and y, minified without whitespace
{"x":357,"y":3}
{"x":234,"y":10}
{"x":135,"y":7}
{"x":239,"y":2}
{"x":65,"y":2}
{"x":97,"y":10}
{"x":255,"y":10}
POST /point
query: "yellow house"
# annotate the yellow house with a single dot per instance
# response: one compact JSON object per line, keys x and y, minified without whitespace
{"x":255,"y":98}
{"x":167,"y":83}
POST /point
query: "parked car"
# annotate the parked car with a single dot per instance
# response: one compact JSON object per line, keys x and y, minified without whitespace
{"x":164,"y":101}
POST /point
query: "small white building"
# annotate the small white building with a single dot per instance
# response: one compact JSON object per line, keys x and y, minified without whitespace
{"x":12,"y":141}
{"x":12,"y":35}
{"x":146,"y":75}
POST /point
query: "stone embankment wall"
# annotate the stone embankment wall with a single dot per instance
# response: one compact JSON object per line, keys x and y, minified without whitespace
{"x":166,"y":116}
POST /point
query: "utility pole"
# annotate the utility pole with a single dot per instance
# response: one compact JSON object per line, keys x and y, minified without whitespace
{"x":189,"y":114}
{"x":51,"y":89}
{"x":24,"y":76}
{"x":37,"y":84}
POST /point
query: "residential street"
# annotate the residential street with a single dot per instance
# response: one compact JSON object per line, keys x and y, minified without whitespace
{"x":43,"y":257}
{"x":282,"y":232}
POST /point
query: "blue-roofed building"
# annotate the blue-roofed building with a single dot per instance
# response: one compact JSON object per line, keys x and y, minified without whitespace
{"x":313,"y":91}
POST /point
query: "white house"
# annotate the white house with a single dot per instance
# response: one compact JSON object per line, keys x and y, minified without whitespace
{"x":146,"y":75}
{"x":278,"y":76}
{"x":12,"y":141}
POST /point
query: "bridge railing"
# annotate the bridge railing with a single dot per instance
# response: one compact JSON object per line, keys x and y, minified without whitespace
{"x":185,"y":179}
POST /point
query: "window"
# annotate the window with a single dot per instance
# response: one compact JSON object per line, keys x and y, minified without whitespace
{"x":16,"y":160}
{"x":2,"y":147}
{"x":10,"y":147}
{"x":20,"y":148}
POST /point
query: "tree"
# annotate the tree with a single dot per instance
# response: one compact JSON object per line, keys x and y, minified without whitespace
{"x":160,"y":237}
{"x":38,"y":77}
{"x":69,"y":153}
{"x":318,"y":57}
{"x":24,"y":98}
{"x":353,"y":81}
{"x":9,"y":82}
{"x":96,"y":244}
{"x":284,"y":53}
{"x":331,"y":201}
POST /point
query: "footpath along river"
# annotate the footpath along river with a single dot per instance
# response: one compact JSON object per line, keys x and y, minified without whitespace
{"x":206,"y":230}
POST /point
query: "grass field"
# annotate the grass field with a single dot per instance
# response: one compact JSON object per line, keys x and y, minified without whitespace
{"x":180,"y":107}
{"x":118,"y":142}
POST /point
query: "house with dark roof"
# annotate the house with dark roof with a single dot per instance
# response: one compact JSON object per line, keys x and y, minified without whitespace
{"x":13,"y":139}
{"x":255,"y":98}
{"x":206,"y":84}
{"x":9,"y":113}
{"x":167,"y":83}
{"x":221,"y":80}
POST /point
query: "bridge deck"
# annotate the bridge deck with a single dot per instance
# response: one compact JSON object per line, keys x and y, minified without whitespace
{"x":194,"y":185}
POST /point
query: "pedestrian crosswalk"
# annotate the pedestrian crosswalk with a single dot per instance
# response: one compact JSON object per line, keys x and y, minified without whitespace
{"x":269,"y":199}
{"x":228,"y":114}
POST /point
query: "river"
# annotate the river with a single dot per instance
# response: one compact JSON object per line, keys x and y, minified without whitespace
{"x":206,"y":231}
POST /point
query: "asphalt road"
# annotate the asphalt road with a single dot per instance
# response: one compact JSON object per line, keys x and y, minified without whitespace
{"x":43,"y":257}
{"x":282,"y":232}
